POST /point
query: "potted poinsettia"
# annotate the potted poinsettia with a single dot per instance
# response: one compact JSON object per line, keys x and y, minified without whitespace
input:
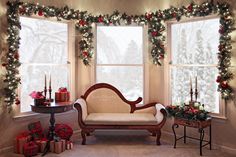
{"x":38,"y":97}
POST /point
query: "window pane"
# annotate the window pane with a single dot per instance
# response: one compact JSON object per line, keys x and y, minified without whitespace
{"x":207,"y":87}
{"x":129,"y":80}
{"x":43,"y":41}
{"x":195,"y":42}
{"x":119,"y":45}
{"x":32,"y":77}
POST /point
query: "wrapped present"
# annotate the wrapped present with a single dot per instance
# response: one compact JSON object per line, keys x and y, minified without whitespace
{"x":69,"y":145}
{"x":20,"y":140}
{"x":36,"y":130}
{"x":62,"y":95}
{"x":63,"y":145}
{"x":63,"y":131}
{"x":52,"y":146}
{"x":30,"y":149}
{"x":58,"y":147}
{"x":41,"y":144}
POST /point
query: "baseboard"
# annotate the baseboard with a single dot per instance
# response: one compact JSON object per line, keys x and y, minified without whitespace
{"x":228,"y":150}
{"x":6,"y":149}
{"x":223,"y":148}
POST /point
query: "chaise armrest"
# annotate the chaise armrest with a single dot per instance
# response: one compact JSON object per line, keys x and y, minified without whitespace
{"x":81,"y":106}
{"x":160,"y":112}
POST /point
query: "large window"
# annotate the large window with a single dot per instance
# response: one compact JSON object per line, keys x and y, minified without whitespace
{"x":119,"y":59}
{"x":194,"y":48}
{"x":43,"y":50}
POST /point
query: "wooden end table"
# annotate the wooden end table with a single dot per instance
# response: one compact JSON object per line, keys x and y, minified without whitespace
{"x":200,"y":125}
{"x":51,"y":109}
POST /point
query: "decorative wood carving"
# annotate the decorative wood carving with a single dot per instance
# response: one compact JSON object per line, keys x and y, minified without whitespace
{"x":87,"y":129}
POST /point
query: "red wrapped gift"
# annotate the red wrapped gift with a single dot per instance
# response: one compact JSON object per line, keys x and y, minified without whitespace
{"x":58,"y":146}
{"x":30,"y":149}
{"x":69,"y":145}
{"x":41,"y":144}
{"x":36,"y":130}
{"x":62,"y":95}
{"x":20,"y":140}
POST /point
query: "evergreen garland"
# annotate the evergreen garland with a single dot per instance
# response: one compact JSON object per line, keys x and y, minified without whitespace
{"x":154,"y":20}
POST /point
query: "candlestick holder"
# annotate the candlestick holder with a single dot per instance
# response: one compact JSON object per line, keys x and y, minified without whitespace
{"x":50,"y":94}
{"x":196,"y":94}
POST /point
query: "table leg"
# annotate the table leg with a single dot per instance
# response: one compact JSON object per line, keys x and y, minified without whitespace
{"x":201,"y":131}
{"x":51,"y":134}
{"x":173,"y":128}
{"x":184,"y":134}
{"x":210,"y":136}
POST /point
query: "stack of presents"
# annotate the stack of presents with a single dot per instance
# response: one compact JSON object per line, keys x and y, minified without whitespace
{"x":34,"y":141}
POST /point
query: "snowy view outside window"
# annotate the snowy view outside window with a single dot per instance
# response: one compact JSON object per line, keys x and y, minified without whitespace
{"x":194,"y":47}
{"x":43,"y":50}
{"x":120,"y":59}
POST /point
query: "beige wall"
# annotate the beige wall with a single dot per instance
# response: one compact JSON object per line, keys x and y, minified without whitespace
{"x":223,"y":130}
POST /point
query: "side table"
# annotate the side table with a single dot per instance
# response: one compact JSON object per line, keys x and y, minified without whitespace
{"x":200,"y":125}
{"x":52,"y":109}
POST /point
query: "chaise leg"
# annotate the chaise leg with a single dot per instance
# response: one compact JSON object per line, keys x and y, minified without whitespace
{"x":83,"y":135}
{"x":158,"y":135}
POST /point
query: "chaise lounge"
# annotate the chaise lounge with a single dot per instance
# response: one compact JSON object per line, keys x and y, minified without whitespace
{"x":104,"y":107}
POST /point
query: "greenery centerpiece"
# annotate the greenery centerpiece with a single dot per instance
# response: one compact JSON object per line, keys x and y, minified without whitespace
{"x":190,"y":112}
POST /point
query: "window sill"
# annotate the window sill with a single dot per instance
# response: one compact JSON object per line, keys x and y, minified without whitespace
{"x":32,"y":115}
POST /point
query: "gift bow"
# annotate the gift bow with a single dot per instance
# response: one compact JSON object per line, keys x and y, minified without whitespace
{"x":62,"y":89}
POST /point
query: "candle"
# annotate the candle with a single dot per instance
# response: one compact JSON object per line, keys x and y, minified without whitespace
{"x":191,"y":84}
{"x":50,"y":81}
{"x":45,"y":81}
{"x":196,"y":83}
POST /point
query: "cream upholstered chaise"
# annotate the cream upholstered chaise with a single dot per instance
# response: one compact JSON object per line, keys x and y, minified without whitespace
{"x":104,"y":107}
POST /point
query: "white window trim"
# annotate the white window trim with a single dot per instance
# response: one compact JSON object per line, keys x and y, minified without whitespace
{"x":145,"y":61}
{"x":71,"y":63}
{"x":167,"y":67}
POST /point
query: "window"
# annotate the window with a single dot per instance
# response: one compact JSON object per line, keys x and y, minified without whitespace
{"x":43,"y":50}
{"x":119,"y":59}
{"x":194,"y":48}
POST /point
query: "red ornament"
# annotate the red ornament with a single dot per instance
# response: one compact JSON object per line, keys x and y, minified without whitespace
{"x":218,"y":80}
{"x":40,"y":13}
{"x":4,"y":64}
{"x":161,"y":56}
{"x":224,"y":84}
{"x":16,"y":55}
{"x":174,"y":14}
{"x":221,"y":30}
{"x":21,"y":10}
{"x":220,"y":47}
{"x":82,"y":22}
{"x":100,"y":19}
{"x":85,"y":53}
{"x":190,"y":8}
{"x":148,"y":16}
{"x":17,"y":101}
{"x":154,"y":33}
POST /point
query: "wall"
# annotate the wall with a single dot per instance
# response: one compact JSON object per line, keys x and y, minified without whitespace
{"x":9,"y":127}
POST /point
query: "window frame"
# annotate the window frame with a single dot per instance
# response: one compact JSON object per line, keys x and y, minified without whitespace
{"x":144,"y":64}
{"x":168,"y":65}
{"x":70,"y":64}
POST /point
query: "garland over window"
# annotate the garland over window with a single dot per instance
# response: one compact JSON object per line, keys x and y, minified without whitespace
{"x":154,"y":20}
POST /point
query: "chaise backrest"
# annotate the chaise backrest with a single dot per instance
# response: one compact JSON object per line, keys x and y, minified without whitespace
{"x":104,"y":98}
